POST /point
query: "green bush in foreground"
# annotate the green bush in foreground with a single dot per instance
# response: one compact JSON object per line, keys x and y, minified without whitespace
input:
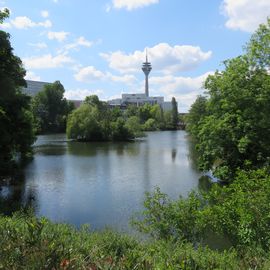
{"x":239,"y":213}
{"x":31,"y":243}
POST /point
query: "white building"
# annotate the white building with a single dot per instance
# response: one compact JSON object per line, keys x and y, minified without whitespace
{"x":139,"y":100}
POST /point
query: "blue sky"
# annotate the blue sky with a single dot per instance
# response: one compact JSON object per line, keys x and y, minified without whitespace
{"x":97,"y":47}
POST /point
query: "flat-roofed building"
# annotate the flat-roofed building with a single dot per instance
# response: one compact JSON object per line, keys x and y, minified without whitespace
{"x":33,"y":87}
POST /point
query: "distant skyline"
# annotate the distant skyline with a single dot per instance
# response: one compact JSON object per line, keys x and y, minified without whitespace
{"x":98,"y":47}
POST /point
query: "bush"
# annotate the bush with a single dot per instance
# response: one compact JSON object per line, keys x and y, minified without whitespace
{"x":31,"y":243}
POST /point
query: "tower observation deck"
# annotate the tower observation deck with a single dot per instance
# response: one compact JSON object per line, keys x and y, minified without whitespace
{"x":146,"y":68}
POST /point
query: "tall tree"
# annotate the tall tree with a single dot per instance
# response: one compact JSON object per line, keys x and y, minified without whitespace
{"x":195,"y":115}
{"x":17,"y":134}
{"x":51,"y":108}
{"x":235,"y":133}
{"x":174,"y":113}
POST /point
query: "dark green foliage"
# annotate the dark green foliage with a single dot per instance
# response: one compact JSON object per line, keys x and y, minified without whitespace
{"x":174,"y":114}
{"x":95,"y":121}
{"x":50,"y":108}
{"x":16,"y":120}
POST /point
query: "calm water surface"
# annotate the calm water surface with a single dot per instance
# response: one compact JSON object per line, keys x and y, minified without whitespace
{"x":102,"y":184}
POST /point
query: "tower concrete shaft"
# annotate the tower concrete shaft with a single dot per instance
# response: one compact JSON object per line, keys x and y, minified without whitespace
{"x":146,"y":68}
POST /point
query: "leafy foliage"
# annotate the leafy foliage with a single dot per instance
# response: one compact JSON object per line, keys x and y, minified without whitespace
{"x":94,"y":121}
{"x":30,"y":243}
{"x":152,"y":117}
{"x":232,"y":126}
{"x":50,"y":108}
{"x":15,"y":112}
{"x":238,"y":212}
{"x":196,"y":113}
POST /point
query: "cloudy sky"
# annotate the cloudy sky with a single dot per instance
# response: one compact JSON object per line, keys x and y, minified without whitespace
{"x":97,"y":47}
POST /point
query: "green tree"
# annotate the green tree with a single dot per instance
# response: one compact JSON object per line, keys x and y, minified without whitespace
{"x":17,"y":133}
{"x":144,"y":112}
{"x":150,"y":125}
{"x":174,"y":114}
{"x":95,"y":121}
{"x":51,"y":108}
{"x":258,"y":48}
{"x":167,"y":116}
{"x":196,"y":113}
{"x":131,"y":110}
{"x":235,"y":130}
{"x":83,"y":124}
{"x":156,"y":113}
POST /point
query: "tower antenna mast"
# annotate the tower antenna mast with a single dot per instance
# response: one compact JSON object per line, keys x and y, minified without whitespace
{"x":146,"y":68}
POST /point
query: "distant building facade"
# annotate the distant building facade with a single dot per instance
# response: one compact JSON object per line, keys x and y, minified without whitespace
{"x":139,"y":100}
{"x":33,"y":87}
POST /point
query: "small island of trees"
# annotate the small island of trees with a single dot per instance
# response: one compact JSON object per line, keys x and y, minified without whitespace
{"x":94,"y":120}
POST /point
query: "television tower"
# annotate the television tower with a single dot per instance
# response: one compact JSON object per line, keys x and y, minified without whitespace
{"x":146,"y":68}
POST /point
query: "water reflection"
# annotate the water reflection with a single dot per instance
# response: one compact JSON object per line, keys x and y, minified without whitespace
{"x":92,"y":149}
{"x":102,"y":183}
{"x":174,"y":153}
{"x":12,"y":196}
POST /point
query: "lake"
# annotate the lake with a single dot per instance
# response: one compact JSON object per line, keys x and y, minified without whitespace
{"x":101,"y":183}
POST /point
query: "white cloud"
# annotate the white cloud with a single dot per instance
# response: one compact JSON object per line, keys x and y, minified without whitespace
{"x":245,"y":15}
{"x":178,"y":85}
{"x":47,"y":61}
{"x":83,"y":42}
{"x":127,"y":79}
{"x":132,"y":4}
{"x":45,"y":13}
{"x":39,"y":45}
{"x":90,"y":74}
{"x":80,"y":42}
{"x":165,"y":58}
{"x":184,"y":89}
{"x":32,"y":76}
{"x":80,"y":94}
{"x":23,"y":22}
{"x":59,"y":36}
